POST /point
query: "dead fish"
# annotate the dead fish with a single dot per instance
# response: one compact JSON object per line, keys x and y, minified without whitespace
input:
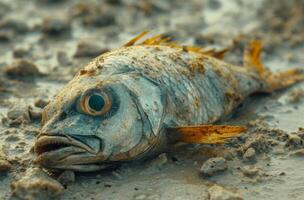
{"x":135,"y":101}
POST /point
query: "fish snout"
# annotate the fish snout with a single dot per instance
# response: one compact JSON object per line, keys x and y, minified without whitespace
{"x":69,"y":152}
{"x":51,"y":142}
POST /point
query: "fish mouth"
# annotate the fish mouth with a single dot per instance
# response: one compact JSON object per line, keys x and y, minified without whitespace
{"x":78,"y":153}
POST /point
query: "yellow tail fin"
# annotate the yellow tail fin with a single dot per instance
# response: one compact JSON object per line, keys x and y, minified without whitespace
{"x":273,"y":81}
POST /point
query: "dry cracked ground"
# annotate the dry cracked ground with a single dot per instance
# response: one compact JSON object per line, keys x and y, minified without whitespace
{"x":45,"y":42}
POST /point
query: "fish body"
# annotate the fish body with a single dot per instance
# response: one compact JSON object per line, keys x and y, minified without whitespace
{"x":121,"y":105}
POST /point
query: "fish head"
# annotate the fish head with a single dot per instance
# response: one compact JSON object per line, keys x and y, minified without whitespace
{"x":98,"y":121}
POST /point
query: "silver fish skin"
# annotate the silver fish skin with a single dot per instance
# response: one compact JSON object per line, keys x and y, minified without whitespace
{"x":151,"y":87}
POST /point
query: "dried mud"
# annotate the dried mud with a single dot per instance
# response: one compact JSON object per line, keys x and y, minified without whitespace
{"x":44,"y":43}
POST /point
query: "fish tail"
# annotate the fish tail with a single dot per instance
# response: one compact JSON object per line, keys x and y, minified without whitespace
{"x":272,"y":81}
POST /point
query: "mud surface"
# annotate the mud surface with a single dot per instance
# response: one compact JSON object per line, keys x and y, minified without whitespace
{"x":45,"y":42}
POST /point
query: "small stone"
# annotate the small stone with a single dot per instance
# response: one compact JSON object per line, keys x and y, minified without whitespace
{"x":20,"y":52}
{"x":35,"y":184}
{"x":4,"y":165}
{"x":21,"y":68}
{"x":217,"y":192}
{"x":56,"y":27}
{"x":250,"y":171}
{"x":249,"y":154}
{"x":18,"y":112}
{"x":16,"y":25}
{"x":40,"y":103}
{"x":161,"y":160}
{"x":6,"y":35}
{"x":67,"y":178}
{"x":85,"y":49}
{"x":141,"y":197}
{"x":214,"y":165}
{"x":294,"y":141}
{"x":35,"y":113}
{"x":258,"y":142}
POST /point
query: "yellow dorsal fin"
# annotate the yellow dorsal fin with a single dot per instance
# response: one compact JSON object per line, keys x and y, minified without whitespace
{"x":163,"y":40}
{"x":205,"y":134}
{"x":136,"y":38}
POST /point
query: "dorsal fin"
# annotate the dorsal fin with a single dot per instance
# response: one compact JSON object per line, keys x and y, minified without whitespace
{"x":163,"y":40}
{"x":136,"y":38}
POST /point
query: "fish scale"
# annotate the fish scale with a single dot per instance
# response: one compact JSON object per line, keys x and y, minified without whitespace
{"x":183,"y":85}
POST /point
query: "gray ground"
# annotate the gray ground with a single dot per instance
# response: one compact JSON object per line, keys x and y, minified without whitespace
{"x":57,"y":37}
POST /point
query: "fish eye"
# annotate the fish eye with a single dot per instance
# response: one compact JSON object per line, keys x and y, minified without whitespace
{"x":95,"y":104}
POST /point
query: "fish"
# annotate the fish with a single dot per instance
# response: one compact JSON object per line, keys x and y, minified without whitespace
{"x":138,"y":100}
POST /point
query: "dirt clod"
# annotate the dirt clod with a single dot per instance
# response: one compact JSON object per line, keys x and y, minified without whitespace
{"x":56,"y":27}
{"x":22,"y":68}
{"x":249,"y":154}
{"x":35,"y":113}
{"x":213,"y":166}
{"x":217,"y":192}
{"x":36,"y":185}
{"x":4,"y":165}
{"x":294,"y":142}
{"x":18,"y":115}
{"x":40,"y":103}
{"x":258,"y":142}
{"x":250,"y":171}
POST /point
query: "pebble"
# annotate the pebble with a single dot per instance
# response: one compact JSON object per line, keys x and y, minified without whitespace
{"x":36,"y":185}
{"x":249,"y":154}
{"x":40,"y":103}
{"x":56,"y":26}
{"x":35,"y":113}
{"x":294,"y":141}
{"x":86,"y":49}
{"x":67,"y":178}
{"x":217,"y":192}
{"x":21,"y":52}
{"x":22,"y":68}
{"x":4,"y":165}
{"x":6,"y":35}
{"x":258,"y":142}
{"x":16,"y":25}
{"x":250,"y":171}
{"x":214,"y":165}
{"x":18,"y":115}
{"x":159,"y":161}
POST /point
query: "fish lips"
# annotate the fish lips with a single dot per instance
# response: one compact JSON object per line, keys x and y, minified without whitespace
{"x":67,"y":152}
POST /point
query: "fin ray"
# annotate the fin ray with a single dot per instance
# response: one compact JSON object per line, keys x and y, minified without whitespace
{"x":205,"y":134}
{"x":273,"y":81}
{"x":161,"y":39}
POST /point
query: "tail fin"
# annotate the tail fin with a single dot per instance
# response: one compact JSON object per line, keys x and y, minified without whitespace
{"x":273,"y":81}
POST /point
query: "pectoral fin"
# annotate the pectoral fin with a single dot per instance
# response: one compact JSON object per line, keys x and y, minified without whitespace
{"x":204,"y":134}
